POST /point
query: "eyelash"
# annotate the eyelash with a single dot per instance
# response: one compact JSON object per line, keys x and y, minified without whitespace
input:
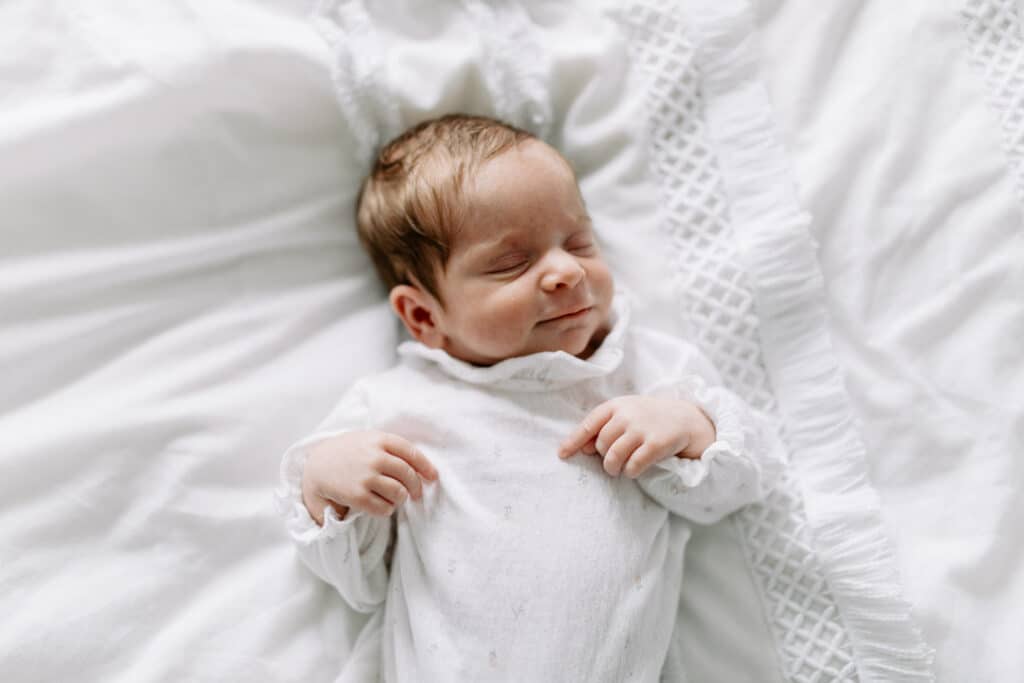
{"x":506,"y":270}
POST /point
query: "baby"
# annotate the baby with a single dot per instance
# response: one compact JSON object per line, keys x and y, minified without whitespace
{"x":539,"y":459}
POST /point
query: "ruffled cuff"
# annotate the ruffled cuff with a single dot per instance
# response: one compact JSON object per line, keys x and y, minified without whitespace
{"x":724,"y":413}
{"x":736,"y":469}
{"x":692,"y":472}
{"x":300,"y":524}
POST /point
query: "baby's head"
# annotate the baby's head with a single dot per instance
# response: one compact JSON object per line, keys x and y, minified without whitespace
{"x":480,"y":233}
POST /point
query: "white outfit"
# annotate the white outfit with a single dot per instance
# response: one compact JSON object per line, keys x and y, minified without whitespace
{"x":517,"y":565}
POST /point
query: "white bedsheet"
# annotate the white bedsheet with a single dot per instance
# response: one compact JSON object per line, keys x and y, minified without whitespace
{"x":170,"y":276}
{"x":176,"y":305}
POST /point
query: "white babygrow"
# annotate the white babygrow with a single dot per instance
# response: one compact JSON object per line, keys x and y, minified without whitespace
{"x":516,"y":565}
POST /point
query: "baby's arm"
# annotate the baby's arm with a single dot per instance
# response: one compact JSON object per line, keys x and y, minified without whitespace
{"x":691,"y":444}
{"x":631,"y":433}
{"x":743,"y":464}
{"x":366,"y":471}
{"x":336,"y":504}
{"x":740,"y":467}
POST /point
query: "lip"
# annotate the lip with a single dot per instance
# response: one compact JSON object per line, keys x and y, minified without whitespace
{"x":571,"y":315}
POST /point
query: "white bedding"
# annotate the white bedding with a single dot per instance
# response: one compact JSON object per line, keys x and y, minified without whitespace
{"x":177,"y":304}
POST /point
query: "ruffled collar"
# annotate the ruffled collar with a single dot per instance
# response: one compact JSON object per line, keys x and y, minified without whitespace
{"x":542,"y":371}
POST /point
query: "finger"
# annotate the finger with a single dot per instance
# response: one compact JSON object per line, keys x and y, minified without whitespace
{"x":641,"y":459}
{"x":609,"y":434}
{"x":373,"y":504}
{"x":590,"y":447}
{"x":587,"y":429}
{"x":396,"y":468}
{"x":620,"y":451}
{"x":389,"y":489}
{"x":396,"y":445}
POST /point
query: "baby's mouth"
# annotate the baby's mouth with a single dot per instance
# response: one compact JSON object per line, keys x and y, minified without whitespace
{"x":569,"y":315}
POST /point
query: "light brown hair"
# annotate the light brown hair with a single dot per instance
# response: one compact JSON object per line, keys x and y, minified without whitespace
{"x":410,"y":206}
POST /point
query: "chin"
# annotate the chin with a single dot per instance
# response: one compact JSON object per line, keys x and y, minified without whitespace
{"x":578,"y":343}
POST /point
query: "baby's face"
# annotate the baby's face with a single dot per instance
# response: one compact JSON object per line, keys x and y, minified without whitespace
{"x":525,"y":274}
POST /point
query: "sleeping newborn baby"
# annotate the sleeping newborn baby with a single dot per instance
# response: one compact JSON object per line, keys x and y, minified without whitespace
{"x":539,"y":459}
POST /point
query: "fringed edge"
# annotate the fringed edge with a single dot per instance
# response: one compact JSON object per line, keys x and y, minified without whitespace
{"x":514,"y":64}
{"x":843,"y":508}
{"x":357,"y":62}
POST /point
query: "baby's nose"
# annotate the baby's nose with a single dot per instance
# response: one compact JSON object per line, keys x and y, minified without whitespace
{"x":563,"y":271}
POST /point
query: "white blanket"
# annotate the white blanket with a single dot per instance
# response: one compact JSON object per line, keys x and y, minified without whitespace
{"x":179,"y":296}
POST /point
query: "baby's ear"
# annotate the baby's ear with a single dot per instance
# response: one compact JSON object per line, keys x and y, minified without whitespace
{"x":419,"y":312}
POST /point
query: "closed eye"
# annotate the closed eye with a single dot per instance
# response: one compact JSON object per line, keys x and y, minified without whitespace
{"x":583,"y":245}
{"x":508,"y":266}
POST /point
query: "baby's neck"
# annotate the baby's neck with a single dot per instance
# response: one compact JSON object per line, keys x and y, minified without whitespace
{"x":592,"y":346}
{"x":595,"y":341}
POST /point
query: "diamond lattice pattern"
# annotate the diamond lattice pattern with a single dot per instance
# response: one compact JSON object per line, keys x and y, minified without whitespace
{"x":995,"y":36}
{"x":717,"y":305}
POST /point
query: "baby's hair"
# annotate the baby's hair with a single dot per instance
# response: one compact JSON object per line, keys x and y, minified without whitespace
{"x":410,"y":205}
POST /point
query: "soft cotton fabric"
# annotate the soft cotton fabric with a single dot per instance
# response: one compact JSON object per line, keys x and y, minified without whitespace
{"x":517,"y":565}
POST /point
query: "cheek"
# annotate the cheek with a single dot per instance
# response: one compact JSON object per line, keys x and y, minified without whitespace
{"x":500,"y":314}
{"x":601,"y":280}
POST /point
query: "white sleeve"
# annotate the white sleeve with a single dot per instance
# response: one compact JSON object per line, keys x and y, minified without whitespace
{"x":742,"y":465}
{"x":348,"y":553}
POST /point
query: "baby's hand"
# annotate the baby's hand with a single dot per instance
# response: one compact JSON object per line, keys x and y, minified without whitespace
{"x":368,"y":471}
{"x":631,"y":433}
